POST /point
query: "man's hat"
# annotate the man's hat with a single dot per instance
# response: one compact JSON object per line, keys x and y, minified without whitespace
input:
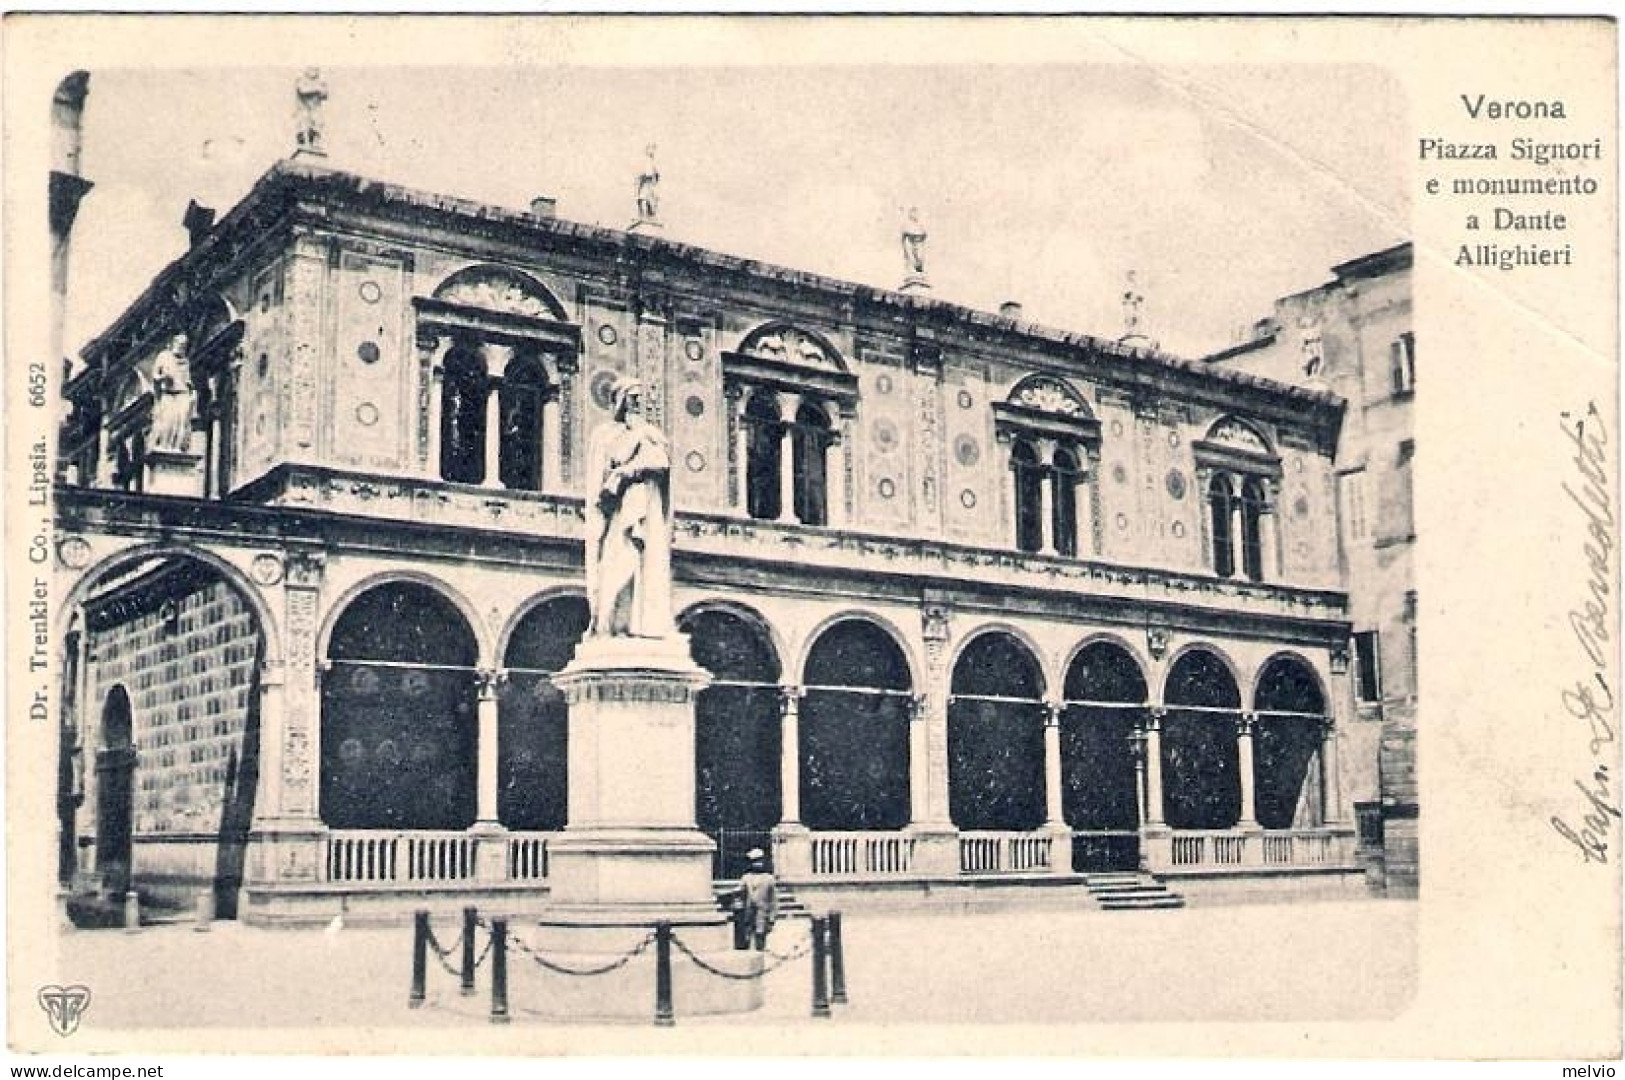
{"x":756,"y":854}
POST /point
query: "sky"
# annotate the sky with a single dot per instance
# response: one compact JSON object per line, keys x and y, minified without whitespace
{"x":1221,"y":187}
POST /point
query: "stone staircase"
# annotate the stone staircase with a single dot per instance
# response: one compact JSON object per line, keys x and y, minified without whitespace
{"x":1131,"y":892}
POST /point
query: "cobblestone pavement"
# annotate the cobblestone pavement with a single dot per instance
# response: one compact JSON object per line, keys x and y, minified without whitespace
{"x":1334,"y":960}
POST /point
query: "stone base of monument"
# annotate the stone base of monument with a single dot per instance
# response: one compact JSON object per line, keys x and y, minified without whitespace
{"x":631,"y":856}
{"x":174,"y":472}
{"x":589,"y":943}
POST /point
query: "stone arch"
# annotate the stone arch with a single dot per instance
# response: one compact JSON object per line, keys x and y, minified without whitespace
{"x":810,"y":641}
{"x":1040,"y":655}
{"x":533,"y":721}
{"x":755,"y":620}
{"x":1289,"y":701}
{"x":1307,"y":669}
{"x":245,"y":588}
{"x":1105,"y":688}
{"x":476,"y":622}
{"x":501,"y":288}
{"x":1204,"y":647}
{"x":1200,"y":757}
{"x":1108,"y":637}
{"x":504,"y":636}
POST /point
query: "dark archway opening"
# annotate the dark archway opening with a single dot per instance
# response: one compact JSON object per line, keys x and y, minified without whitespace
{"x":533,"y":721}
{"x":1201,"y":776}
{"x":854,"y":730}
{"x":1100,"y":799}
{"x":996,"y":736}
{"x":1287,"y":741}
{"x":399,"y":727}
{"x":736,"y":735}
{"x":115,"y":793}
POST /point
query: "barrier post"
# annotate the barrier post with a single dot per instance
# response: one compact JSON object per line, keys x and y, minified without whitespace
{"x":469,"y":916}
{"x":420,"y":956}
{"x":742,"y":928}
{"x":663,"y":1012}
{"x":499,"y":971}
{"x":837,"y":961}
{"x":820,"y":1000}
{"x":132,"y":911}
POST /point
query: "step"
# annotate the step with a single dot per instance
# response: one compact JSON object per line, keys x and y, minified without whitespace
{"x":1143,"y":903}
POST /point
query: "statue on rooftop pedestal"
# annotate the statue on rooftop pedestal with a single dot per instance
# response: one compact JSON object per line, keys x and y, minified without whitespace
{"x":311,"y":93}
{"x":649,"y":188}
{"x":913,"y":235}
{"x":628,"y":543}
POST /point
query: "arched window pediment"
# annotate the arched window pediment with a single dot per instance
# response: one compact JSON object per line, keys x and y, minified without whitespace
{"x":1237,"y":446}
{"x":1044,"y":406}
{"x":785,"y":343}
{"x":500,"y":289}
{"x":788,"y":358}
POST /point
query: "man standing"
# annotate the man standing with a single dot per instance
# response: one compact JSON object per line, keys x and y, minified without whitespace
{"x":761,"y":898}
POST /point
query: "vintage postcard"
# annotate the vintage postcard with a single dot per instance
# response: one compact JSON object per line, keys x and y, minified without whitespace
{"x":885,"y":535}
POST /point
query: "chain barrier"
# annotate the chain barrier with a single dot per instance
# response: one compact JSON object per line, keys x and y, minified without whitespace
{"x":780,"y":961}
{"x":441,"y":954}
{"x":604,"y":969}
{"x":794,"y":954}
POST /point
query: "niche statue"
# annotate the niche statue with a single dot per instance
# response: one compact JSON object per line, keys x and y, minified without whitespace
{"x":628,"y":550}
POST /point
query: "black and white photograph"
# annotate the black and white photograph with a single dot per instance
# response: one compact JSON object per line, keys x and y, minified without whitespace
{"x":801,"y":526}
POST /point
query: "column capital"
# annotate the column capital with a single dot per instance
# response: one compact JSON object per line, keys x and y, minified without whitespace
{"x":487,"y":681}
{"x":1245,"y":723}
{"x":1052,"y":711}
{"x":1154,"y":717}
{"x":790,"y":698}
{"x":920,"y":707}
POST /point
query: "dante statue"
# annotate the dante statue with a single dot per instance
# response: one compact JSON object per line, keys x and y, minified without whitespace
{"x":311,"y":92}
{"x":913,"y":243}
{"x":172,"y":398}
{"x":629,"y":523}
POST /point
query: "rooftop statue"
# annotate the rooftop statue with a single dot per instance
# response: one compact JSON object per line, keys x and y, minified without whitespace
{"x":311,"y":93}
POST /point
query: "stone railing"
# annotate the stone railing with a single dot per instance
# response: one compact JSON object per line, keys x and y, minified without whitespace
{"x":861,"y":854}
{"x":989,"y":852}
{"x":1209,"y":848}
{"x":1299,"y":847}
{"x":384,"y":856}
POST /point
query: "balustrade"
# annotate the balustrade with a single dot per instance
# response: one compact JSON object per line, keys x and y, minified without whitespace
{"x":1003,"y":852}
{"x":861,"y":854}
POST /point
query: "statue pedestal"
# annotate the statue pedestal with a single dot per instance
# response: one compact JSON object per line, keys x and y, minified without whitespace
{"x":653,"y":226}
{"x":174,"y":472}
{"x":631,"y":855}
{"x":915,"y":283}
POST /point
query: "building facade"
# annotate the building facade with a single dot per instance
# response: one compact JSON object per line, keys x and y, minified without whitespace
{"x":1353,"y":336}
{"x":983,"y":602}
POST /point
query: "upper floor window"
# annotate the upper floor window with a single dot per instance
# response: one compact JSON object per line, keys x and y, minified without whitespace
{"x":1054,"y":448}
{"x":1402,"y":364}
{"x":787,"y":385}
{"x":505,"y":356}
{"x":1241,"y":471}
{"x":1368,"y":665}
{"x":1356,"y":524}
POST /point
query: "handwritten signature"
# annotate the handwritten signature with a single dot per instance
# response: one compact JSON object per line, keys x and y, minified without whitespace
{"x":1590,"y":700}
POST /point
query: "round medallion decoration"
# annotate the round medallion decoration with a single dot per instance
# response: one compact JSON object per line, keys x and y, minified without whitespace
{"x":1179,"y":529}
{"x":366,"y":414}
{"x":600,"y":386}
{"x":694,"y":349}
{"x":695,"y":406}
{"x":74,"y":551}
{"x":1119,"y":474}
{"x":965,"y":400}
{"x":884,"y":433}
{"x":967,"y":451}
{"x":368,"y":352}
{"x":388,"y":753}
{"x":1300,"y":507}
{"x":415,"y":683}
{"x":422,"y":753}
{"x":1122,"y":521}
{"x":265,"y":569}
{"x":1173,"y":437}
{"x":695,"y":461}
{"x":967,"y":499}
{"x":1117,"y":427}
{"x":887,"y":487}
{"x":365,"y":681}
{"x":607,"y":334}
{"x":1176,"y":484}
{"x":351,"y":751}
{"x":370,"y":292}
{"x":883,"y":384}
